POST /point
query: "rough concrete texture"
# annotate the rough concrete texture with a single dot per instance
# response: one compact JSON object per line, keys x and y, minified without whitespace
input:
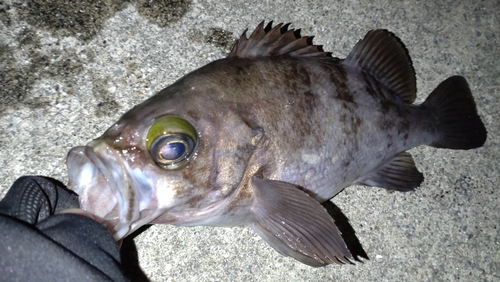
{"x":69,"y":69}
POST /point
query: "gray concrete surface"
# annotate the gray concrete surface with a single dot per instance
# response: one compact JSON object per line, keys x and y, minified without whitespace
{"x":68,"y":70}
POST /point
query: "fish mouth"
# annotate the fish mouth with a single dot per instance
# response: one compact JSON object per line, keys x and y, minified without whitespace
{"x":102,"y":185}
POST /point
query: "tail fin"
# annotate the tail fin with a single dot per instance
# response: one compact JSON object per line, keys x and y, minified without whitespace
{"x":455,"y":117}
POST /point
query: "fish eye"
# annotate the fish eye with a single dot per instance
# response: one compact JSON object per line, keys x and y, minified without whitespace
{"x":171,"y":141}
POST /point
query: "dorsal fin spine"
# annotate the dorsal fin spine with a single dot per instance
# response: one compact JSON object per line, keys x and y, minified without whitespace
{"x":276,"y":41}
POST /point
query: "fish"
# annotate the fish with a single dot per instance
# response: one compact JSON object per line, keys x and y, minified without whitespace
{"x":266,"y":135}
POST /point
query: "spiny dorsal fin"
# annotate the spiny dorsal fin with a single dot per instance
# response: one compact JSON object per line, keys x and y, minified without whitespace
{"x":384,"y":57}
{"x":276,"y":41}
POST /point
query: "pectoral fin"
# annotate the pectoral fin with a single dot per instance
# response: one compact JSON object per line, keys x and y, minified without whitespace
{"x":398,"y":174}
{"x":296,"y":225}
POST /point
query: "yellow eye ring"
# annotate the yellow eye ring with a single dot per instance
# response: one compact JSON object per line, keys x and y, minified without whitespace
{"x":171,"y":141}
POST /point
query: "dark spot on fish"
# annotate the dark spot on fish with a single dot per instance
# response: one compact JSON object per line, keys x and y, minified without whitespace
{"x":300,"y":127}
{"x":240,"y":70}
{"x":309,"y":94}
{"x":194,"y":115}
{"x":349,"y":153}
{"x":386,"y":125}
{"x":339,"y":77}
{"x":351,"y":125}
{"x":300,"y":102}
{"x":370,"y":91}
{"x":204,"y":174}
{"x":196,"y":200}
{"x":355,"y":123}
{"x":385,"y":105}
{"x":245,"y":148}
{"x":200,"y":177}
{"x":375,"y":89}
{"x":298,"y":74}
{"x":187,"y":174}
{"x":308,"y":101}
{"x":249,"y":120}
{"x":343,"y":117}
{"x":369,"y":87}
{"x":403,"y":124}
{"x":366,"y":78}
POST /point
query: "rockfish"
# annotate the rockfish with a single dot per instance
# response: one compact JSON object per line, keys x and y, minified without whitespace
{"x":266,"y":135}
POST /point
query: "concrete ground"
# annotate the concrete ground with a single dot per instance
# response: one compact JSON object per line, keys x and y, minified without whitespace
{"x":69,"y":70}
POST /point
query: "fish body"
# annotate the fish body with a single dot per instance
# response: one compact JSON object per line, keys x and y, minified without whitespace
{"x":266,"y":135}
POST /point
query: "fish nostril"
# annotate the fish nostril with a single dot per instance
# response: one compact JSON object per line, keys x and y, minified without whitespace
{"x":115,"y":130}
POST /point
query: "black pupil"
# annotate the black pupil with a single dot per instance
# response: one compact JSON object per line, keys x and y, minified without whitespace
{"x":173,"y":151}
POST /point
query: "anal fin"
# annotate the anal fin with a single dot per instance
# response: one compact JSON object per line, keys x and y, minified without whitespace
{"x":296,"y":225}
{"x":398,"y":174}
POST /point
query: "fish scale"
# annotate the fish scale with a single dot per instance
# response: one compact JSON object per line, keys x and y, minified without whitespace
{"x":267,"y":135}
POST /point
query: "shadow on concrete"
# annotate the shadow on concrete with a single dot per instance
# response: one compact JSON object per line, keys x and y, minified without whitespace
{"x":348,"y":233}
{"x":130,"y":259}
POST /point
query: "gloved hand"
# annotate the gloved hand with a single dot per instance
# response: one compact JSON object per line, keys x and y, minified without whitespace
{"x":34,"y":198}
{"x":38,"y":243}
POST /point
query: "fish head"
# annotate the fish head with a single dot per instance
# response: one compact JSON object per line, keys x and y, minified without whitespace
{"x":168,"y":160}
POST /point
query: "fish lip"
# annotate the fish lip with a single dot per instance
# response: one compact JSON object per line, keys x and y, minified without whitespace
{"x":82,"y":156}
{"x":103,"y":169}
{"x":110,"y":189}
{"x":88,"y":154}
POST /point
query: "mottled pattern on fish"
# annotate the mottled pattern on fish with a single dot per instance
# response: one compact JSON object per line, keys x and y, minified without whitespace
{"x":265,"y":135}
{"x":311,"y":115}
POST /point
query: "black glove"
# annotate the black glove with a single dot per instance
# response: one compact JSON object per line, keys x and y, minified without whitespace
{"x":34,"y":198}
{"x":39,"y":244}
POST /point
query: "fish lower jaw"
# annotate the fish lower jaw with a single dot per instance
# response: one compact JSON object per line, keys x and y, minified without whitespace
{"x":98,"y":189}
{"x":120,"y":231}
